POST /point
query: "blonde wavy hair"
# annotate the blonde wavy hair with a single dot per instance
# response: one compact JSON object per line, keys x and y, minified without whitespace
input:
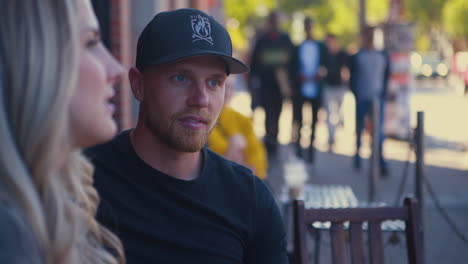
{"x":40,"y":171}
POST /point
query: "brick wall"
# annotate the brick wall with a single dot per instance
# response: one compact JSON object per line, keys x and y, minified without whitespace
{"x":120,"y":47}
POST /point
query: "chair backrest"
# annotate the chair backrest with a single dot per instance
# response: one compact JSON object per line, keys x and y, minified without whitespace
{"x":373,"y":216}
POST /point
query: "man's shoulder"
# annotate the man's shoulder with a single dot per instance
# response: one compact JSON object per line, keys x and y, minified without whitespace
{"x":359,"y":53}
{"x":314,"y":43}
{"x":284,"y":35}
{"x":321,"y":44}
{"x":237,"y":175}
{"x":98,"y":151}
{"x":280,"y":36}
{"x":108,"y":149}
{"x":385,"y":54}
{"x":343,"y":53}
{"x":219,"y":162}
{"x":364,"y":56}
{"x":232,"y":173}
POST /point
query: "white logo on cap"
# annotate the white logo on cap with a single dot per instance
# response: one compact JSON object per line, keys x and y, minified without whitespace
{"x":201,"y":29}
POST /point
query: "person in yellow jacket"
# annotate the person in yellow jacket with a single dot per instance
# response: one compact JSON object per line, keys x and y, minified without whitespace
{"x":233,"y":137}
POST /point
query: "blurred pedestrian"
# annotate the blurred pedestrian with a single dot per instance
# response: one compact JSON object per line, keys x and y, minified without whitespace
{"x":369,"y":74}
{"x":234,"y":138}
{"x":253,"y":80}
{"x":309,"y":60}
{"x":56,"y":80}
{"x":168,"y":197}
{"x":334,"y":85}
{"x":270,"y":66}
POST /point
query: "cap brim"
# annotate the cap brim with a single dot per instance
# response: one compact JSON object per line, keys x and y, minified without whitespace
{"x":235,"y":66}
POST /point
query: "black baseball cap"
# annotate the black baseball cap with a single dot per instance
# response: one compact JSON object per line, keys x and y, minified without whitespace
{"x":183,"y":33}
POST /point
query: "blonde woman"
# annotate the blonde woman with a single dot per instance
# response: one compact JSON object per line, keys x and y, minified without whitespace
{"x":55,"y":84}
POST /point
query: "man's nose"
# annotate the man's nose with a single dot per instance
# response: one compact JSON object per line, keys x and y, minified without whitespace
{"x":198,"y":95}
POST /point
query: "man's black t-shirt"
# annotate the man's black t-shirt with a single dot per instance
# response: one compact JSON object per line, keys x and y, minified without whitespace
{"x":226,"y":215}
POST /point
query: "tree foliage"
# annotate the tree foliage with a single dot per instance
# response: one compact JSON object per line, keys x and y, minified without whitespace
{"x":247,"y":15}
{"x":248,"y":11}
{"x":341,"y":16}
{"x":455,"y":18}
{"x":338,"y":16}
{"x":425,"y":13}
{"x":440,"y":16}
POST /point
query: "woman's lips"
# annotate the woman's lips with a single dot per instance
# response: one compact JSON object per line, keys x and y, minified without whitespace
{"x":110,"y":106}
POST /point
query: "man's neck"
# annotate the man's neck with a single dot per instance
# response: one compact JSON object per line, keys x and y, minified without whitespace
{"x":334,"y":51}
{"x":369,"y":47}
{"x":182,"y":165}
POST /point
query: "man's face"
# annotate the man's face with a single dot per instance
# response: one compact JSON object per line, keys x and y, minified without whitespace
{"x":274,"y":21}
{"x":308,"y":26}
{"x":332,"y":44}
{"x":181,"y":101}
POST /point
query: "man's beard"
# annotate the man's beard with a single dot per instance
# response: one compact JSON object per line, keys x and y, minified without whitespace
{"x":178,"y":137}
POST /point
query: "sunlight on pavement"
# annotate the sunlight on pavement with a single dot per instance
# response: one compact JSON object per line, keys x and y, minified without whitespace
{"x":446,"y":127}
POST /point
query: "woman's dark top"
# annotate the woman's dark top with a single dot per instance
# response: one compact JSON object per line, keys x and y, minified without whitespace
{"x":18,"y":245}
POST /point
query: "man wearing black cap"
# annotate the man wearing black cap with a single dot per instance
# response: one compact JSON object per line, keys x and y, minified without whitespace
{"x":168,"y":198}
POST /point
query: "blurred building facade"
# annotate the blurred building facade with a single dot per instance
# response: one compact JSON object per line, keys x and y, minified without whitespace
{"x":121,"y":22}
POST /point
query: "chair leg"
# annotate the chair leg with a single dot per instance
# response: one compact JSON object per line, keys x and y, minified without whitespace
{"x":286,"y":215}
{"x":288,"y":226}
{"x":317,"y":234}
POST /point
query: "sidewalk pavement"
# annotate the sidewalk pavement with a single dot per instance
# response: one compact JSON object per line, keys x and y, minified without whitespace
{"x":442,"y":245}
{"x":446,"y":159}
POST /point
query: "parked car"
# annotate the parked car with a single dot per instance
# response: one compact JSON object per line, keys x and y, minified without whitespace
{"x":428,"y":65}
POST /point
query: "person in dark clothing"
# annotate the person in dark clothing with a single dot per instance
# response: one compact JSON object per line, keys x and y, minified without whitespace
{"x":309,"y":59}
{"x":168,"y":197}
{"x":270,"y":67}
{"x":369,"y":74}
{"x":334,"y":85}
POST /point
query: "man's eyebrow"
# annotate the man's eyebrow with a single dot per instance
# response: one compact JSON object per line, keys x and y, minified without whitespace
{"x":179,"y":70}
{"x":218,"y":75}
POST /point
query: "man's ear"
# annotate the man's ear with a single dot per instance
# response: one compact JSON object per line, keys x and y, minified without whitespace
{"x":136,"y":83}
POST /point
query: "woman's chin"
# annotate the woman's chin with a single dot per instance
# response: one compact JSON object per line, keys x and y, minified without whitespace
{"x":108,"y":133}
{"x":96,"y":137}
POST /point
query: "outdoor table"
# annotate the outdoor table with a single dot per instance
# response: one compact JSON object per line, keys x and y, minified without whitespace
{"x":328,"y":196}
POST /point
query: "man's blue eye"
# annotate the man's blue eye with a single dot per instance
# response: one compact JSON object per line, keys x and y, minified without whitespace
{"x":213,"y":82}
{"x":179,"y":78}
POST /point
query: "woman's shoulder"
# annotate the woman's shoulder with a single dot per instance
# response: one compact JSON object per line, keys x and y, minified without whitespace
{"x":17,"y":241}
